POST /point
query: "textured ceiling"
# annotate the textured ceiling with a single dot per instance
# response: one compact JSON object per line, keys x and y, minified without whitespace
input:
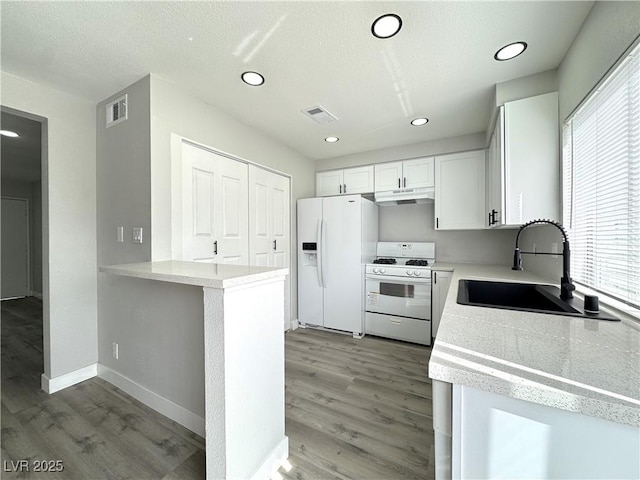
{"x":440,"y":65}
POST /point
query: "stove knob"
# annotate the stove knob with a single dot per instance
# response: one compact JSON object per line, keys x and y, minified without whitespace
{"x":417,"y":273}
{"x":409,"y":272}
{"x":383,"y":270}
{"x":376,"y":270}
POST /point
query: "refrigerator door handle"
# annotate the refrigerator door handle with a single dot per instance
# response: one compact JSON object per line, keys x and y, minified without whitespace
{"x":321,"y":260}
{"x":319,"y":253}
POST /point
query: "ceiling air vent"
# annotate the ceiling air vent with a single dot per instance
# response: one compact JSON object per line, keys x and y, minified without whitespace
{"x":117,"y":111}
{"x":319,"y":114}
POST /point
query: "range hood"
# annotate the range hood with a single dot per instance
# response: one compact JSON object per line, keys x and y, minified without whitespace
{"x":405,"y":195}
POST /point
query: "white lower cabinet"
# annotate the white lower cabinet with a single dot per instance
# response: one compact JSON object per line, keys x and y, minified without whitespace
{"x":440,"y":282}
{"x":399,"y":328}
{"x":460,"y":191}
{"x":500,"y":437}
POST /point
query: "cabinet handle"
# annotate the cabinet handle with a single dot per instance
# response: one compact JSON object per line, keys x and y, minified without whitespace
{"x":344,"y":188}
{"x":435,"y":278}
{"x":490,"y":219}
{"x":405,"y":182}
{"x":340,"y":188}
{"x":437,"y":222}
{"x":215,"y":247}
{"x":398,"y":183}
{"x":275,"y":245}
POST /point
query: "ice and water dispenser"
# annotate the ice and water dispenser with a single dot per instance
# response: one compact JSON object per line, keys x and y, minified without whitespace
{"x":309,"y":254}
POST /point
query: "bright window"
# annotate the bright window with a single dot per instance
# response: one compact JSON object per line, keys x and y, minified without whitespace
{"x":601,"y":185}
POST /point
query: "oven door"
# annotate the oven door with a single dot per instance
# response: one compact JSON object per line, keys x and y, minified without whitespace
{"x":400,"y":296}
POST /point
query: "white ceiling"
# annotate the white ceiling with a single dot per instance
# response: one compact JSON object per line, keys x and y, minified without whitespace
{"x":440,"y":65}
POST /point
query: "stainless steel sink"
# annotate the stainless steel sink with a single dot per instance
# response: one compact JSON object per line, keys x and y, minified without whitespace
{"x":525,"y":297}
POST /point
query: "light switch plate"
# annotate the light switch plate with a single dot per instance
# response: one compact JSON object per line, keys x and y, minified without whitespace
{"x":120,"y":234}
{"x":137,"y":234}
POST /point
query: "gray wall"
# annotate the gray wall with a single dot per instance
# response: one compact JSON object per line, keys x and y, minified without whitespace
{"x":32,"y":192}
{"x":123,"y":178}
{"x":608,"y":31}
{"x":69,"y":221}
{"x":158,"y":326}
{"x":415,"y":223}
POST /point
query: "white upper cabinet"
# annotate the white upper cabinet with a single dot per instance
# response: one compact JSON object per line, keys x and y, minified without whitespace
{"x":416,"y":173}
{"x":329,"y":183}
{"x":388,"y":176}
{"x":523,"y":167}
{"x":460,"y":191}
{"x":347,"y":181}
{"x":358,"y":180}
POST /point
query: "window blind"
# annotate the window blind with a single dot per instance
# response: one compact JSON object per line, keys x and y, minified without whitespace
{"x":601,"y":185}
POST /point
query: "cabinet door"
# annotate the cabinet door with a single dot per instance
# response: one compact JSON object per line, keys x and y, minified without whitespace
{"x":495,"y":177}
{"x":215,"y":207}
{"x":269,"y":232}
{"x":358,"y":180}
{"x":531,"y":152}
{"x":418,"y":173}
{"x":460,"y":191}
{"x":329,"y":183}
{"x":268,"y":218}
{"x":388,"y":176}
{"x":440,"y":282}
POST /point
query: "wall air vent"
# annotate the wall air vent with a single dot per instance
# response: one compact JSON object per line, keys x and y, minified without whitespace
{"x":117,"y":111}
{"x":319,"y":115}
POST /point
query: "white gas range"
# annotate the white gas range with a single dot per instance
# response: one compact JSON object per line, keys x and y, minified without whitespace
{"x":398,"y":291}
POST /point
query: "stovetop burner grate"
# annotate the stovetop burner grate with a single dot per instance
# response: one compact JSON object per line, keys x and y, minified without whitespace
{"x":385,"y":261}
{"x":418,"y":263}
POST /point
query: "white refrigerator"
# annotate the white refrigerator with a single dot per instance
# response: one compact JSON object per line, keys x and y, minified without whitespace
{"x":336,"y":237}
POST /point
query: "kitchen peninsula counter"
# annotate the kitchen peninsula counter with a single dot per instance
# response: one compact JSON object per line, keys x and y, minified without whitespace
{"x":591,"y":367}
{"x":213,"y":275}
{"x":242,"y":311}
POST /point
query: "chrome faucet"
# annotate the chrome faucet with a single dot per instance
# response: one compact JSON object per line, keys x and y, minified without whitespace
{"x":566,"y":285}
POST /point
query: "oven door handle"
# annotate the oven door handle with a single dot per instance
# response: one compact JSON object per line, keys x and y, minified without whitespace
{"x":403,"y":280}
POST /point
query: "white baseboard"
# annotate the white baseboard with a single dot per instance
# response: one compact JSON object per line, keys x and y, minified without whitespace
{"x":38,"y":295}
{"x":295,"y":324}
{"x":273,"y":461}
{"x":53,"y":385}
{"x":175,"y":412}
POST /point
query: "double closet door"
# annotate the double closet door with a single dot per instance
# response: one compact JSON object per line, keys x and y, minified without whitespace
{"x":233,"y":212}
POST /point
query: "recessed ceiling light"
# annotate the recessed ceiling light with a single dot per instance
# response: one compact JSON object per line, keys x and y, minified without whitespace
{"x":386,"y":26}
{"x":331,"y":139}
{"x":252,"y":78}
{"x":417,"y":122}
{"x":8,"y":133}
{"x":510,"y":51}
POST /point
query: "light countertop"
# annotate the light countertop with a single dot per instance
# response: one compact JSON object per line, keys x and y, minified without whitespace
{"x":212,"y":275}
{"x":580,"y":365}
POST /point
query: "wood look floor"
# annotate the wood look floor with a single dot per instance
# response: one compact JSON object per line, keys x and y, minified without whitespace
{"x":355,"y":409}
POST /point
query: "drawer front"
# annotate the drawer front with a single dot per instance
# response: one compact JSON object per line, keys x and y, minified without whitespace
{"x":399,"y":328}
